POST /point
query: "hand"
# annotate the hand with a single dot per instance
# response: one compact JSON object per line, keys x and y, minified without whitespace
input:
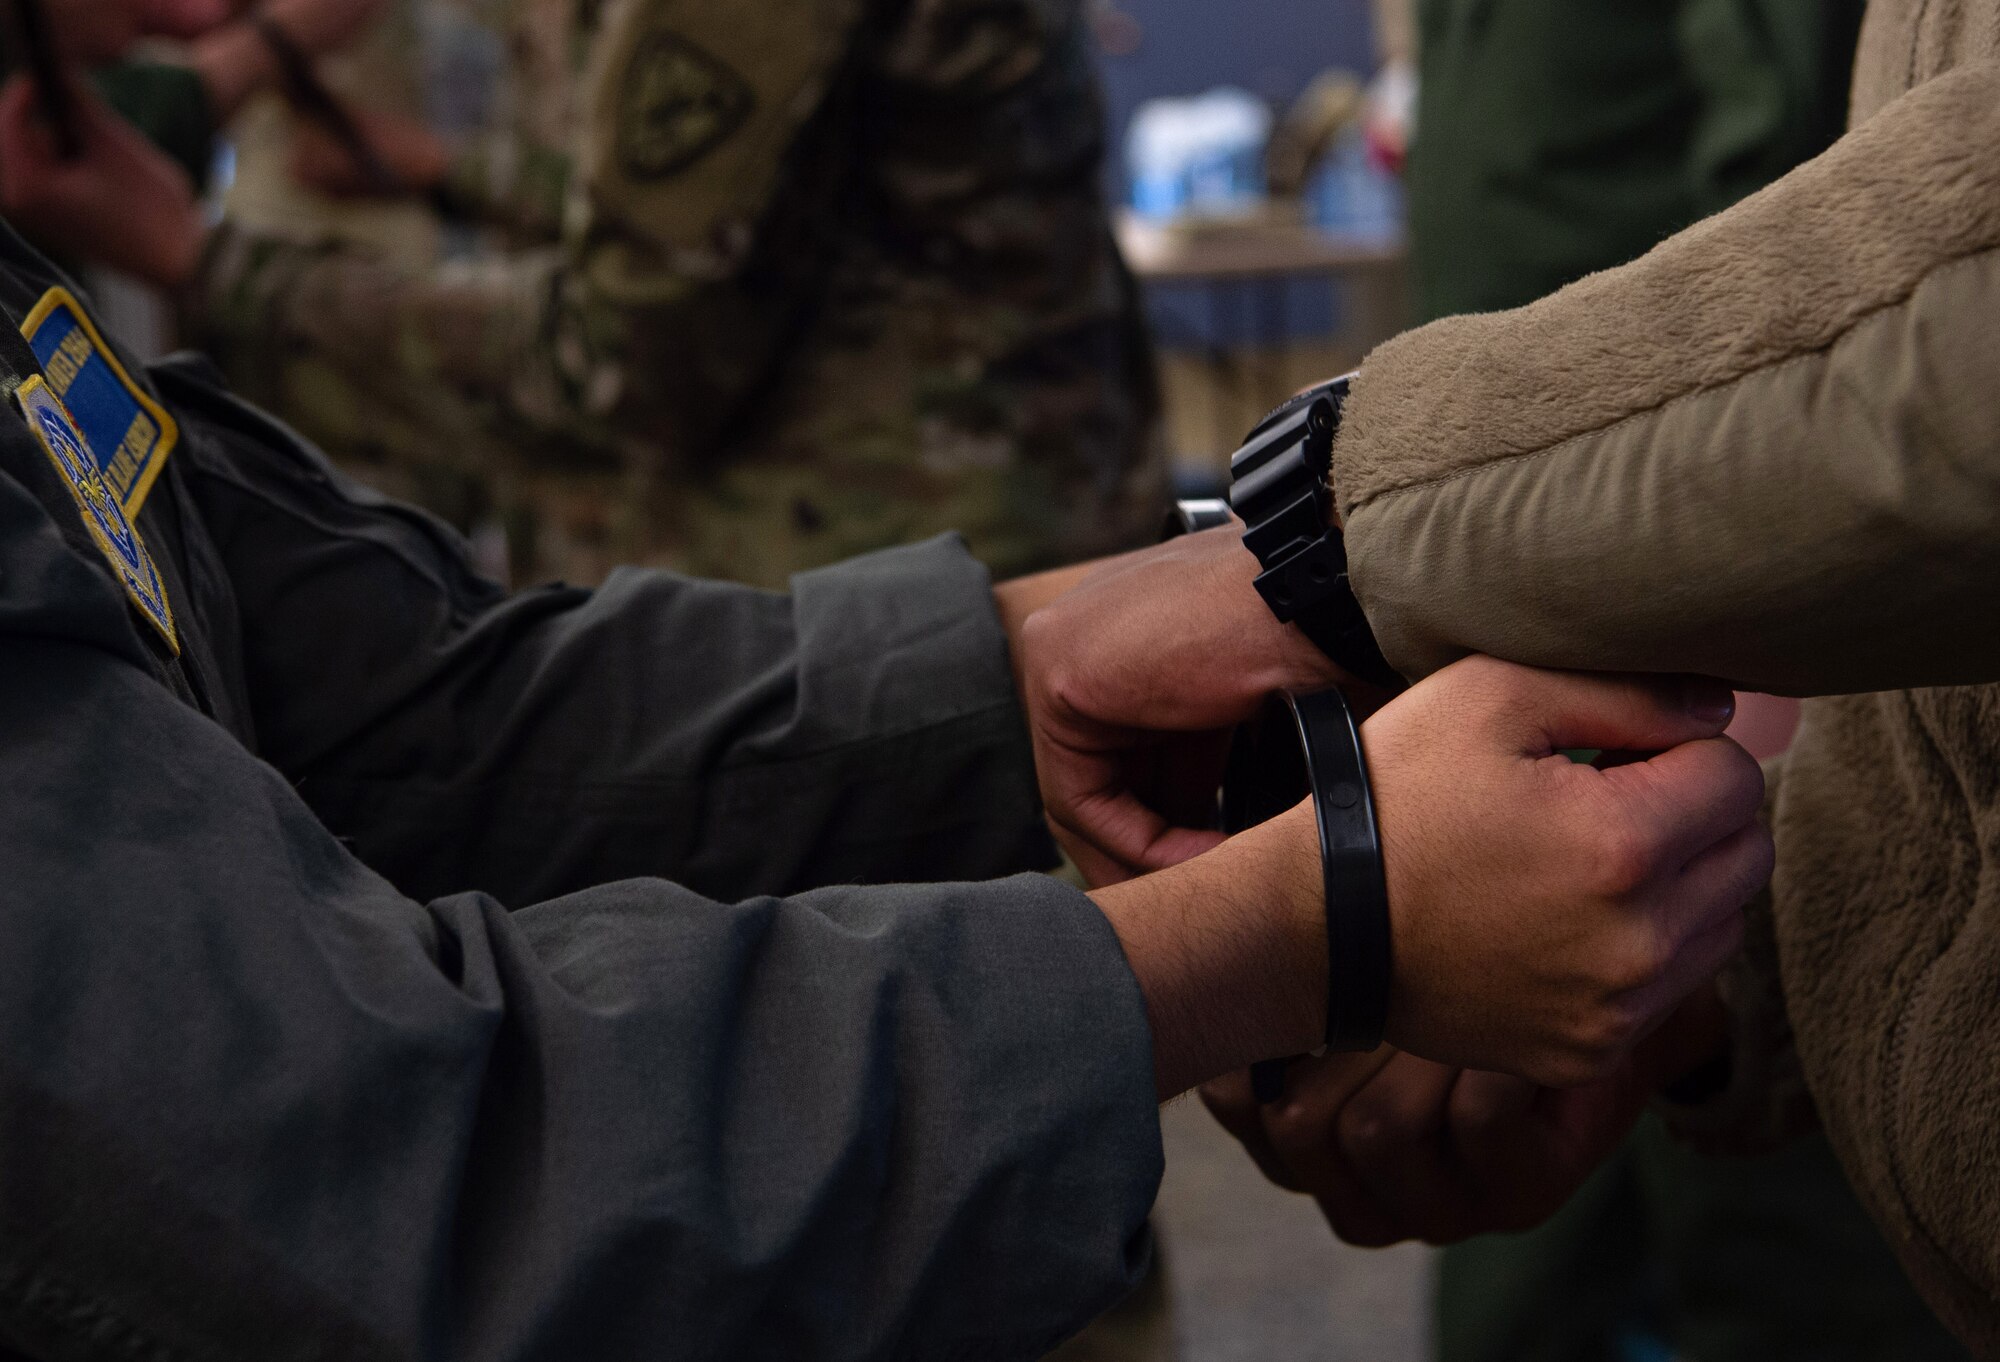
{"x":1394,"y":1147}
{"x":1132,"y":683}
{"x":416,"y":156}
{"x":1545,"y":915}
{"x":120,"y":203}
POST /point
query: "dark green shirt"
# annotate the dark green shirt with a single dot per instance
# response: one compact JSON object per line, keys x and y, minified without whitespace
{"x":168,"y":103}
{"x":1559,"y":137}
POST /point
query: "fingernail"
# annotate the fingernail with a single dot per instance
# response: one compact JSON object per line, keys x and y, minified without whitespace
{"x":1706,"y":700}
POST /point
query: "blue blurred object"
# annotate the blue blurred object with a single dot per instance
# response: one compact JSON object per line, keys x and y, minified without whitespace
{"x":1350,"y":195}
{"x":1202,"y":155}
{"x":1269,"y":47}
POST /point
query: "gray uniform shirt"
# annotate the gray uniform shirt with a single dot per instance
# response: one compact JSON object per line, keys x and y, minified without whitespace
{"x":405,"y":970}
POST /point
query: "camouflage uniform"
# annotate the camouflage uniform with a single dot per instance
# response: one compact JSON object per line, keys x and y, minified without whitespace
{"x":814,"y":277}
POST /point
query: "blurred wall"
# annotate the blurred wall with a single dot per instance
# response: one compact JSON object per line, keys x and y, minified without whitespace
{"x":1269,"y":47}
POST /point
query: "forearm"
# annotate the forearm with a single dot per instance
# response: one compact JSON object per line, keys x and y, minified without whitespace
{"x":863,"y":728}
{"x":433,"y":347}
{"x":632,"y":1114}
{"x":1762,"y":452}
{"x":506,"y":182}
{"x":1230,"y":953}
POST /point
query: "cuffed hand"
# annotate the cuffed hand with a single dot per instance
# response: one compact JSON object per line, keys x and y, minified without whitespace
{"x":1394,"y":1147}
{"x":1133,"y":682}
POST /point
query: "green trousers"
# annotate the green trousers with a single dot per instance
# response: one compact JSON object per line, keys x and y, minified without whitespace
{"x":1667,"y":1253}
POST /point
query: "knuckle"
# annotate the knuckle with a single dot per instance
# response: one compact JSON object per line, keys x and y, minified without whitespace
{"x":1369,"y":1131}
{"x":1478,"y":1118}
{"x":1037,"y":631}
{"x":1292,"y":1131}
{"x":1625,"y":857}
{"x":1577,"y":1066}
{"x":1597,"y":1044}
{"x":1760,"y":859}
{"x":1750,"y":772}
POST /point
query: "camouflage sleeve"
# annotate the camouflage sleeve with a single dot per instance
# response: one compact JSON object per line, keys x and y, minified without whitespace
{"x":281,"y":314}
{"x":505,"y":182}
{"x":690,"y":115}
{"x":693,"y":114}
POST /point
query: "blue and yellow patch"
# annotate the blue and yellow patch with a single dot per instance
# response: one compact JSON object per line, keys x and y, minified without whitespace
{"x":103,"y":514}
{"x":128,"y":432}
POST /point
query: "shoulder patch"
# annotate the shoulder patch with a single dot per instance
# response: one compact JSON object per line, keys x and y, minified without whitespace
{"x":129,"y":433}
{"x":676,"y":103}
{"x":103,"y":515}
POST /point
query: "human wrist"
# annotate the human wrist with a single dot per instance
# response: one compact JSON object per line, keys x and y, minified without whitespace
{"x":1020,"y":597}
{"x":1229,"y":949}
{"x":1295,"y":662}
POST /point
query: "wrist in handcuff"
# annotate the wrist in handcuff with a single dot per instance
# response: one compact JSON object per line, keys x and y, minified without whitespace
{"x":1309,"y":746}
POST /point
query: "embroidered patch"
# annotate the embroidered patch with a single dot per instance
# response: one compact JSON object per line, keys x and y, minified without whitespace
{"x":675,"y":105}
{"x":129,"y":433}
{"x":64,"y":442}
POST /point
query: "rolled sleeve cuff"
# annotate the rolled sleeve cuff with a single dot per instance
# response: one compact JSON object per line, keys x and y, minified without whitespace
{"x":904,"y":678}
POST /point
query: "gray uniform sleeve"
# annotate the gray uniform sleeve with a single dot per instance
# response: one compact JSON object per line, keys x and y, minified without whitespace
{"x":861,"y":730}
{"x":256,"y":1103}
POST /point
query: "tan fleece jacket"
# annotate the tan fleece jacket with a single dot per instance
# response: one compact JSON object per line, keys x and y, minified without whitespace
{"x":1770,"y":451}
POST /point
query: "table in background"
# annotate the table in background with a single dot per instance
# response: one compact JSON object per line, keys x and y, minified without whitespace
{"x":1244,"y":269}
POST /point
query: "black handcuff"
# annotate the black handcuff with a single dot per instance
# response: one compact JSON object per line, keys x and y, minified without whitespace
{"x":1309,"y":745}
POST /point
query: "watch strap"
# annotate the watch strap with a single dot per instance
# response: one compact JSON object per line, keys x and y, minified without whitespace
{"x":1280,"y":484}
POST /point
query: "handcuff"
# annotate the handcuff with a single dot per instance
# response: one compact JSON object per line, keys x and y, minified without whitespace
{"x":1309,"y":745}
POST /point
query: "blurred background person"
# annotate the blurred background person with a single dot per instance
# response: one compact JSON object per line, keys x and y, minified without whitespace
{"x":783,"y":283}
{"x":1557,"y":139}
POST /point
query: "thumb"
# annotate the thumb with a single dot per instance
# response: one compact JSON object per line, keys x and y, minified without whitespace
{"x":1567,"y":710}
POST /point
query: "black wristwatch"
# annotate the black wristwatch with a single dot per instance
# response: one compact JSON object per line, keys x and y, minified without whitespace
{"x":1280,"y":485}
